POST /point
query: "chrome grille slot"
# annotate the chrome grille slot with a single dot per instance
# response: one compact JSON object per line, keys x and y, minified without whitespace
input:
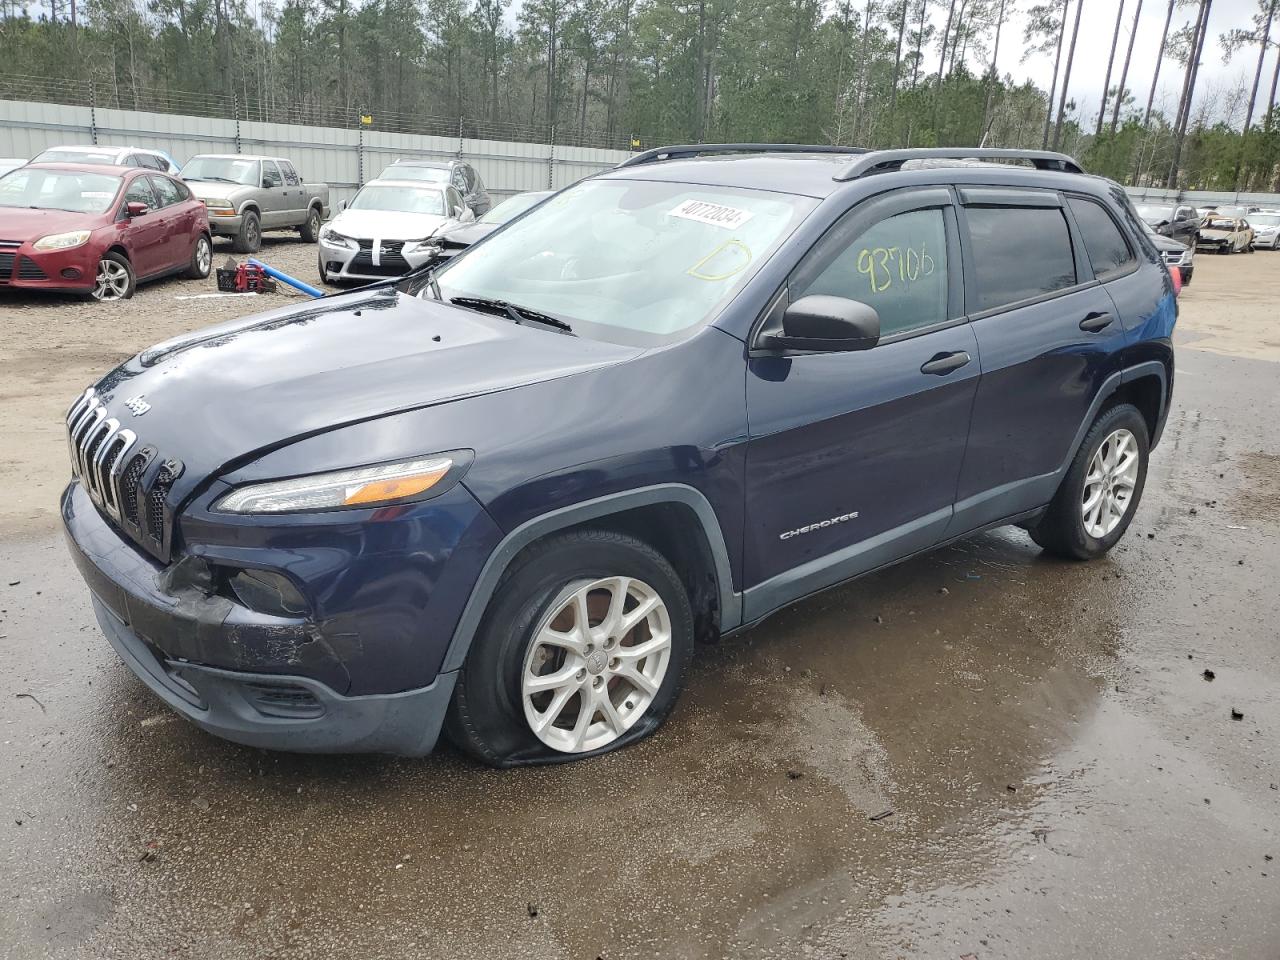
{"x":113,"y":473}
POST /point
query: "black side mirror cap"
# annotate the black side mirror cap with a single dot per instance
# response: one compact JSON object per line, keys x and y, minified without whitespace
{"x":824,"y":323}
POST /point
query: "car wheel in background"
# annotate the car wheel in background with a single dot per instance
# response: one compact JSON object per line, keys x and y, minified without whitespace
{"x":116,"y":280}
{"x":1100,"y":493}
{"x":1186,"y":277}
{"x":310,"y":230}
{"x":249,"y":239}
{"x":583,"y":650}
{"x":201,"y":259}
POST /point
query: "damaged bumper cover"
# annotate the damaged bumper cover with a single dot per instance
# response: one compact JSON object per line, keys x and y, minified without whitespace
{"x":357,"y":674}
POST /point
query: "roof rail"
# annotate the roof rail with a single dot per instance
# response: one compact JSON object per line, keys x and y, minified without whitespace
{"x":685,"y":150}
{"x":879,"y":161}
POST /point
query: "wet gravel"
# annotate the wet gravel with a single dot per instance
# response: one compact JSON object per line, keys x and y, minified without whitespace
{"x":1063,"y":780}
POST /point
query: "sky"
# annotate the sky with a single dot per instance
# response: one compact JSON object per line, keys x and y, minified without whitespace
{"x":1094,"y":46}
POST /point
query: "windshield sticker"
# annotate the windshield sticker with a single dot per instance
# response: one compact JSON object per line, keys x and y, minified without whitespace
{"x":95,"y":195}
{"x":715,"y":214}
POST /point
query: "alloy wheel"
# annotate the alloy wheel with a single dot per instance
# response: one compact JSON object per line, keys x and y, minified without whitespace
{"x":113,"y":280}
{"x":1110,"y":482}
{"x":204,"y":256}
{"x":595,"y":664}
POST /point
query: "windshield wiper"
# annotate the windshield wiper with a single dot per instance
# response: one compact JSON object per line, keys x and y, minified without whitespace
{"x":518,"y":314}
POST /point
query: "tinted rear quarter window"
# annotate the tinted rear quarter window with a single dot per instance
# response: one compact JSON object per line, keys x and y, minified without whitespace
{"x":1109,"y":252}
{"x":1019,"y":253}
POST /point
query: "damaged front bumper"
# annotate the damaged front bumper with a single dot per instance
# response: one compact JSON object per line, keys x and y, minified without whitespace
{"x":357,"y":673}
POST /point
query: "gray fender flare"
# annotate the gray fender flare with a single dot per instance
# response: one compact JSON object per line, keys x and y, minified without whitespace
{"x":572,"y":515}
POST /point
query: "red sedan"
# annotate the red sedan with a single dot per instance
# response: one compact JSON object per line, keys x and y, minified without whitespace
{"x":98,"y":230}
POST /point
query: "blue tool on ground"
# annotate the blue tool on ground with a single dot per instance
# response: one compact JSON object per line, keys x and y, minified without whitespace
{"x":285,"y":278}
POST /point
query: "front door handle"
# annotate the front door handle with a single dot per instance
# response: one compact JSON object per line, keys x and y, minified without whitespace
{"x":944,"y":363}
{"x":1095,"y":322}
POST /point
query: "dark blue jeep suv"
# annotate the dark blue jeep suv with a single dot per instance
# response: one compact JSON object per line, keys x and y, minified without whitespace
{"x":504,"y":499}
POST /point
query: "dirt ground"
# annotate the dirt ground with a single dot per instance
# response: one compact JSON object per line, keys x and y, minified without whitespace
{"x":1063,"y":780}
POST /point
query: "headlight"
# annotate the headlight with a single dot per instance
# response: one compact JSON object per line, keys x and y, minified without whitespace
{"x":419,"y":246}
{"x":360,"y":487}
{"x":1187,"y":259}
{"x":217,"y":202}
{"x":62,"y":241}
{"x":332,"y":236}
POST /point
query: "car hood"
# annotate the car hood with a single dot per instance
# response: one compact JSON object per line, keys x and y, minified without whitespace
{"x":21,"y":223}
{"x":1161,"y":242}
{"x":215,"y":188}
{"x":224,"y":395}
{"x":468,"y":233}
{"x":389,"y":225}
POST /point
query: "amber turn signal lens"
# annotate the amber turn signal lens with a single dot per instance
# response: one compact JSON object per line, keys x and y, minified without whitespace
{"x":381,"y":491}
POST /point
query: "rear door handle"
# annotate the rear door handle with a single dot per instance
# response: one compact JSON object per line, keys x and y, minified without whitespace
{"x":944,"y":363}
{"x":1096,"y":321}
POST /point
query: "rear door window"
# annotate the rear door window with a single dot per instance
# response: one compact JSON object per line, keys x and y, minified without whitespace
{"x":1108,"y":251}
{"x":1019,"y":253}
{"x":290,"y":175}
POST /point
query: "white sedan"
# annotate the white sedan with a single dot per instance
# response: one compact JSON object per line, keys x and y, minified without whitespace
{"x":387,"y":229}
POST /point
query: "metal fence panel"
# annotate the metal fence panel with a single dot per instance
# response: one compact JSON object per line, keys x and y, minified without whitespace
{"x":340,"y":156}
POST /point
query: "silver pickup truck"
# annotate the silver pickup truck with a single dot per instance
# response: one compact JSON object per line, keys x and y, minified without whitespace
{"x":246,"y":195}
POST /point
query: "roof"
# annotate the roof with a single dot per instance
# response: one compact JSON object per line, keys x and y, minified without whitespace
{"x":437,"y":186}
{"x":820,"y":170}
{"x":439,"y":164}
{"x":106,"y":169}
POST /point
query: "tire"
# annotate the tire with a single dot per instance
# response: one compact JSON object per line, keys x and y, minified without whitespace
{"x":116,"y":279}
{"x":1186,"y":277}
{"x":201,"y":264}
{"x":249,"y":239}
{"x":310,"y":229}
{"x":492,"y":716}
{"x":324,"y":277}
{"x":1064,"y":529}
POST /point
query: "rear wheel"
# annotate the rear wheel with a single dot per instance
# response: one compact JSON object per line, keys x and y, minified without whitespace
{"x":583,"y":650}
{"x":201,"y":259}
{"x":1098,"y":497}
{"x":310,"y":229}
{"x":115,"y":280}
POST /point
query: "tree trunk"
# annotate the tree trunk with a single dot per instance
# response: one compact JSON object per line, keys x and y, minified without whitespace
{"x":1066,"y":76}
{"x":897,"y":59}
{"x":915,"y":67}
{"x":1271,"y":100}
{"x":1253,"y":94}
{"x":1106,"y":80}
{"x":1193,"y":70}
{"x":993,"y":76}
{"x":1164,"y":40}
{"x":1053,"y":86}
{"x":1124,"y":73}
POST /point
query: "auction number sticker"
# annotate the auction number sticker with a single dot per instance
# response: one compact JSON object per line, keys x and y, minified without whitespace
{"x":715,"y":214}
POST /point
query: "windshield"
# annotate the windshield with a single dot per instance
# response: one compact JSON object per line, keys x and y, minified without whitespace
{"x":1154,"y":214}
{"x":629,"y":260}
{"x":1219,"y":223}
{"x":58,"y":190}
{"x":222,"y":170}
{"x":398,"y":199}
{"x":512,"y":207}
{"x":408,"y":171}
{"x":1264,"y":219}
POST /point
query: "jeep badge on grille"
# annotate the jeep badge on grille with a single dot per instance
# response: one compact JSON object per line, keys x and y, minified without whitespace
{"x":137,"y":406}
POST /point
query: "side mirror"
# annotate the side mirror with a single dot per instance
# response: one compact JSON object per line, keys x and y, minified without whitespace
{"x":135,"y":209}
{"x":820,"y":322}
{"x":467,"y":216}
{"x":342,"y":205}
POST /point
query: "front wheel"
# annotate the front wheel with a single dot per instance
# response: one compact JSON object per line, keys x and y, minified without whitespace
{"x":1097,"y":499}
{"x":583,"y":650}
{"x":249,"y":239}
{"x":115,"y":280}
